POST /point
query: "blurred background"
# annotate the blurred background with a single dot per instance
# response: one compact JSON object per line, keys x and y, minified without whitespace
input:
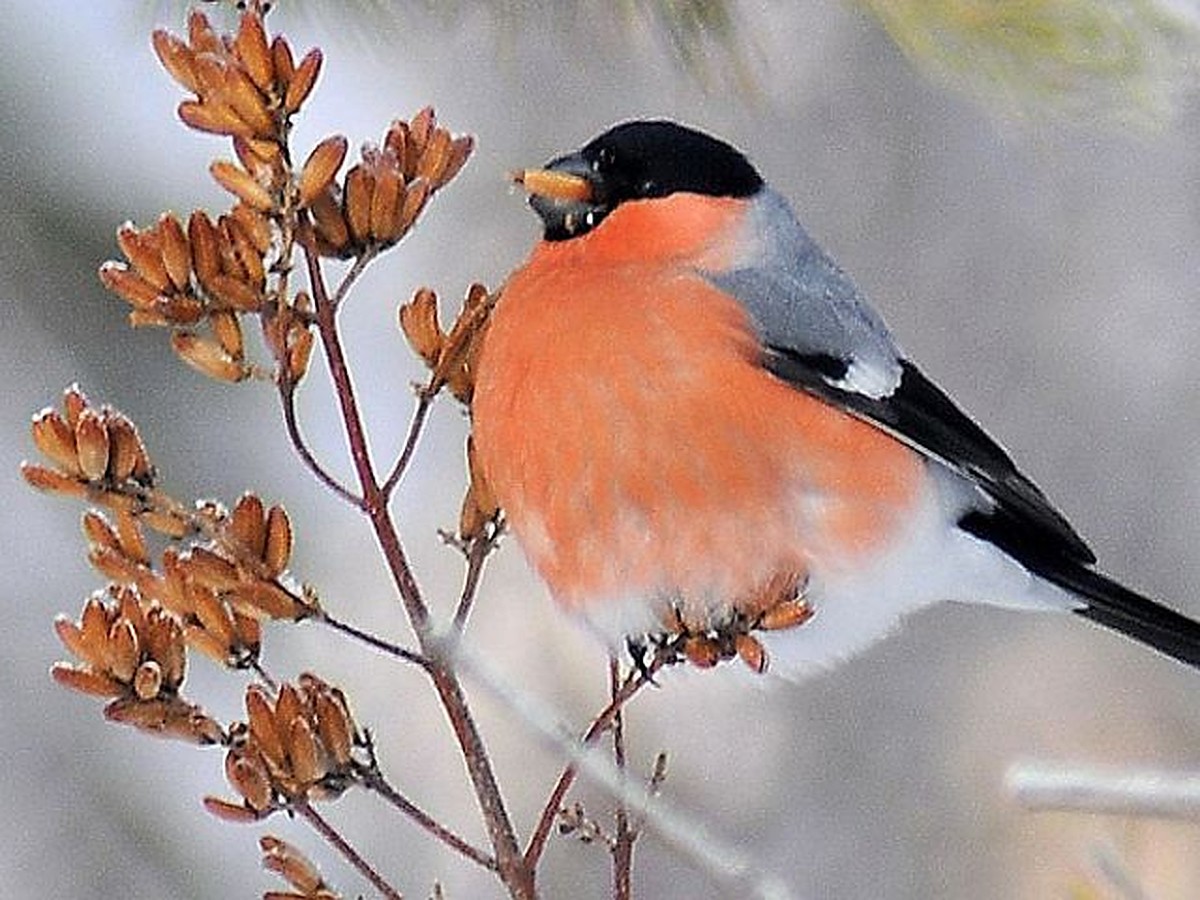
{"x":1019,"y":195}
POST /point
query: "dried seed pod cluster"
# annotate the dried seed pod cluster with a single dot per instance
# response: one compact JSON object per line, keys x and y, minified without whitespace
{"x":201,"y":281}
{"x":96,"y":452}
{"x":245,"y":85}
{"x":480,"y":509}
{"x":452,"y":357}
{"x":778,"y":605}
{"x":293,"y":748}
{"x":133,"y":651}
{"x":382,"y":195}
{"x":220,"y":590}
{"x":208,"y":273}
{"x":219,"y":587}
{"x":295,"y":868}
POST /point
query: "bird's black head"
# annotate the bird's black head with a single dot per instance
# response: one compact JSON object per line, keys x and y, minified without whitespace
{"x":638,"y":160}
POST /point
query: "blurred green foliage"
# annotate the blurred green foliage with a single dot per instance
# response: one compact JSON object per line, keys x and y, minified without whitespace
{"x":1107,"y":59}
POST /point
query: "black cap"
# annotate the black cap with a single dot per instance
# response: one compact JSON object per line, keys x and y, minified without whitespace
{"x":642,"y":160}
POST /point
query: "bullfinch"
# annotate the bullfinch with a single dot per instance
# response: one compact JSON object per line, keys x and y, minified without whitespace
{"x":684,"y":406}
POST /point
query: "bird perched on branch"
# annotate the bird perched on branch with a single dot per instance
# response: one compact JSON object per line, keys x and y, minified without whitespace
{"x":701,"y":432}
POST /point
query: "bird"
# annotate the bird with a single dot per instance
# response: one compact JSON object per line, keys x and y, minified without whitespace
{"x":696,"y":424}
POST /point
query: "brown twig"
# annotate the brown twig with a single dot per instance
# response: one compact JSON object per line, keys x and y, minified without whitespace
{"x":339,"y":843}
{"x":371,"y":640}
{"x":625,"y":836}
{"x":424,"y":400}
{"x":622,"y":846}
{"x":476,"y":553}
{"x":510,"y":863}
{"x":287,"y":399}
{"x":374,"y":780}
{"x":360,"y":264}
{"x":633,"y":683}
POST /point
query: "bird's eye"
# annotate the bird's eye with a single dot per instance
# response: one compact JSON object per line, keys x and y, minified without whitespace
{"x":647,"y":187}
{"x":604,"y":159}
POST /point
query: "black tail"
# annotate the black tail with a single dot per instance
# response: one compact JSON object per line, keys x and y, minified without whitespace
{"x":1115,"y":606}
{"x":1108,"y":603}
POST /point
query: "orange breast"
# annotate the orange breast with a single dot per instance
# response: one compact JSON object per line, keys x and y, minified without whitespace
{"x":638,"y":447}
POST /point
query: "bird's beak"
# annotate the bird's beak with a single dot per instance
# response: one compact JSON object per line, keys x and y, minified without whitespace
{"x":555,"y":184}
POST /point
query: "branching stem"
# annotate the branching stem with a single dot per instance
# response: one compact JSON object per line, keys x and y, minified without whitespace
{"x":633,"y":683}
{"x":339,"y":843}
{"x":424,"y":400}
{"x":287,"y":398}
{"x":371,"y":640}
{"x":625,"y":836}
{"x":374,"y":780}
{"x":516,"y":874}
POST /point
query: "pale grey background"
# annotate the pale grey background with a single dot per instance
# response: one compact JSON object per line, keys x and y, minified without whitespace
{"x":1046,"y":274}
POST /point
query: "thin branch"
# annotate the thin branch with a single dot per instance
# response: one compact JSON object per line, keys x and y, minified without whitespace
{"x":361,"y":262}
{"x":625,"y":837}
{"x":734,"y":871}
{"x":633,"y":683}
{"x":372,"y":640}
{"x":516,"y":875}
{"x":339,"y":843}
{"x":374,"y":780}
{"x":287,"y":398}
{"x":258,"y":669}
{"x":476,"y":553}
{"x":424,"y":400}
{"x":1039,"y":786}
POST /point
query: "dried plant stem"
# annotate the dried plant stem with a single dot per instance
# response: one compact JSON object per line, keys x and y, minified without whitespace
{"x":375,"y":781}
{"x":476,"y":552}
{"x":424,"y":400}
{"x":371,"y":640}
{"x":287,"y":398}
{"x":339,"y":843}
{"x":625,"y":836}
{"x":633,"y":683}
{"x":360,"y":264}
{"x":511,"y":865}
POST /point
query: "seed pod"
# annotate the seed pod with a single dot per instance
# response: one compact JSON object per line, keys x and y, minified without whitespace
{"x":55,"y":438}
{"x":301,"y":82}
{"x":176,"y":254}
{"x":147,"y":680}
{"x":230,"y":812}
{"x":213,"y":117}
{"x":128,"y":285}
{"x":177,"y":58}
{"x":241,"y":184}
{"x":143,"y":249}
{"x":356,"y":203}
{"x":277,"y":549}
{"x":788,"y":614}
{"x":86,"y":681}
{"x":701,"y":651}
{"x":207,"y":357}
{"x":249,"y":779}
{"x":308,"y":762}
{"x":752,"y":653}
{"x":252,"y":50}
{"x":92,"y":445}
{"x":419,"y":322}
{"x":263,"y":730}
{"x":281,"y":58}
{"x":320,"y":167}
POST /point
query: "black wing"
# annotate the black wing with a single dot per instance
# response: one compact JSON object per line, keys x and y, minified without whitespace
{"x":920,"y":414}
{"x":1022,"y":522}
